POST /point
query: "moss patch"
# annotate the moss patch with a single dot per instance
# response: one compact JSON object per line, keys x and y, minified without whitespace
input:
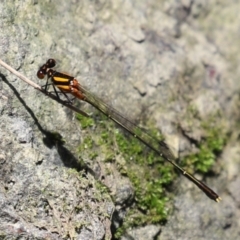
{"x":149,"y":174}
{"x":209,"y":147}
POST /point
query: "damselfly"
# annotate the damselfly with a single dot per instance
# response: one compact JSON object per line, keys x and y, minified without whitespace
{"x":68,"y":84}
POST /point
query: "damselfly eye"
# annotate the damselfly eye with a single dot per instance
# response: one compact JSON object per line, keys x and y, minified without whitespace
{"x":40,"y":74}
{"x":51,"y":63}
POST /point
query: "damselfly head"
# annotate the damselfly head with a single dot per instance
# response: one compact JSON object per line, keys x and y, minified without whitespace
{"x":40,"y":74}
{"x":50,"y":63}
{"x":44,"y":70}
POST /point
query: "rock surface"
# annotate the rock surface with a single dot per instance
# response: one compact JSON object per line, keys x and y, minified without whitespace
{"x":147,"y":58}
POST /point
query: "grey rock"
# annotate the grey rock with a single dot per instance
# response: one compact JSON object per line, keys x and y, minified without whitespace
{"x":165,"y":57}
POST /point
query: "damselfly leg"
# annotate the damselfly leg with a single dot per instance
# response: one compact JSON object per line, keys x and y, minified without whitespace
{"x":46,"y":69}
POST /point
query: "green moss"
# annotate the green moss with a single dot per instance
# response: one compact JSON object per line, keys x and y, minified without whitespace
{"x":129,"y":147}
{"x":146,"y":170}
{"x":209,"y":148}
{"x":151,"y":198}
{"x":149,"y":174}
{"x":85,"y":121}
{"x":103,"y":190}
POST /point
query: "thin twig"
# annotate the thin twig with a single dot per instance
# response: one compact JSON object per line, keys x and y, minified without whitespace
{"x":36,"y":86}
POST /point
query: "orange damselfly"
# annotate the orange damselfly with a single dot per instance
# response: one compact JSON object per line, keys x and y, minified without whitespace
{"x":68,"y":84}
